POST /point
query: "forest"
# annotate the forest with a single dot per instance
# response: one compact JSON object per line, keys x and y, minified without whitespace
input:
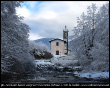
{"x":90,"y":39}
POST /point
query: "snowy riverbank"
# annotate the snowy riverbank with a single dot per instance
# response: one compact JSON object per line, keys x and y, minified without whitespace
{"x":93,"y":75}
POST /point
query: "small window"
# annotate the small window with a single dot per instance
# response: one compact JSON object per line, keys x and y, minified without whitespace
{"x":57,"y":43}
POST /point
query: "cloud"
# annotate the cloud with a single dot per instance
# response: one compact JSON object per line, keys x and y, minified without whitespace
{"x":23,"y":12}
{"x":34,"y":36}
{"x":48,"y":18}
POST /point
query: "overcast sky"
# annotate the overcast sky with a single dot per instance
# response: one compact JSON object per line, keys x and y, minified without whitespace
{"x":47,"y":19}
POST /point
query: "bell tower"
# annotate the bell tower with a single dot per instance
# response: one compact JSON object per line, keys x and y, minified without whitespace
{"x":65,"y":38}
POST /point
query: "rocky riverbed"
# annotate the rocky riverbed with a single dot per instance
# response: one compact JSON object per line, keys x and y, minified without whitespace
{"x":53,"y":77}
{"x":49,"y":73}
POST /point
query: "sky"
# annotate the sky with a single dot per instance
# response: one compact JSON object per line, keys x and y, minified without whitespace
{"x":47,"y":19}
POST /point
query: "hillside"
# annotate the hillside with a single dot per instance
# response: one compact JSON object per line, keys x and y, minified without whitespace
{"x":44,"y":40}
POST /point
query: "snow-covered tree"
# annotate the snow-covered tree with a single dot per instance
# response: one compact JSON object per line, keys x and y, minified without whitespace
{"x":91,"y":47}
{"x":15,"y":57}
{"x":91,"y":16}
{"x":39,"y":50}
{"x":40,"y":46}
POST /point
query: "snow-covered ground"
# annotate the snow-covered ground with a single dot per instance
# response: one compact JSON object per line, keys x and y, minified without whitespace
{"x":50,"y":66}
{"x":57,"y":56}
{"x":94,"y":75}
{"x":49,"y":63}
{"x":63,"y":60}
{"x":42,"y":62}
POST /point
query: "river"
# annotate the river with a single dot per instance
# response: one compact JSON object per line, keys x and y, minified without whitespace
{"x":52,"y":77}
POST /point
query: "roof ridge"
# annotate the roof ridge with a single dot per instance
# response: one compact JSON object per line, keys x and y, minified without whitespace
{"x":56,"y":39}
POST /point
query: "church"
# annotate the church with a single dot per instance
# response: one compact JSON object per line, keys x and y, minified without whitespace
{"x":59,"y":46}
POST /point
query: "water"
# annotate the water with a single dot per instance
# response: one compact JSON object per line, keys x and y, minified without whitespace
{"x":52,"y":77}
{"x":51,"y":74}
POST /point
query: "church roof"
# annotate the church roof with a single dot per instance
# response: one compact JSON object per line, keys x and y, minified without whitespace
{"x":55,"y":39}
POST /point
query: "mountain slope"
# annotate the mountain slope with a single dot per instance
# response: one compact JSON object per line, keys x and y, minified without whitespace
{"x":44,"y":40}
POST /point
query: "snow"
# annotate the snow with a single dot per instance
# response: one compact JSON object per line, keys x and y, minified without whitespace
{"x":37,"y":78}
{"x":40,"y":78}
{"x":42,"y":62}
{"x":92,"y":75}
{"x":58,"y":55}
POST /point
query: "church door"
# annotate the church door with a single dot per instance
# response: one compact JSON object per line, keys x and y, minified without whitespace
{"x":57,"y":52}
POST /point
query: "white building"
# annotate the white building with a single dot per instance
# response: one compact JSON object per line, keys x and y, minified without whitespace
{"x":59,"y":46}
